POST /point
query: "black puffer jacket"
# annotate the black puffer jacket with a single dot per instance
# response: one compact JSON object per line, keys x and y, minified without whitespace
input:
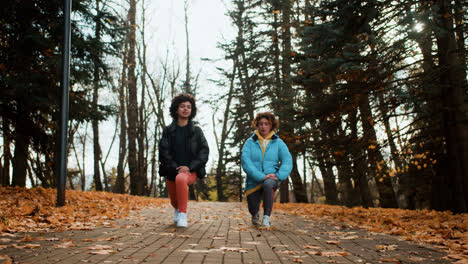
{"x":198,"y":146}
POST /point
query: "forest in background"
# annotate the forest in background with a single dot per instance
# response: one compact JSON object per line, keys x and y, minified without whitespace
{"x":371,"y":97}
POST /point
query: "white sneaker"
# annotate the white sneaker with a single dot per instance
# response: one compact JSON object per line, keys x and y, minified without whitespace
{"x":266,"y":221}
{"x":182,"y":220}
{"x":176,"y":215}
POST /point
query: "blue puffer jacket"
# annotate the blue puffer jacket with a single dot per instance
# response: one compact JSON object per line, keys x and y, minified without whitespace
{"x":256,"y":166}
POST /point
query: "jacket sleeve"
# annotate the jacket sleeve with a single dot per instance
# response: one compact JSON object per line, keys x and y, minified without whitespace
{"x":164,"y":151}
{"x":286,"y":162}
{"x":202,"y":156}
{"x":247,"y":164}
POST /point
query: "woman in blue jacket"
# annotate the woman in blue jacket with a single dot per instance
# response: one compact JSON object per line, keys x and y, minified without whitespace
{"x":266,"y":161}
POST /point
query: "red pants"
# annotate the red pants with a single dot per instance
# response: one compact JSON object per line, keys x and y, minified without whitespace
{"x":178,"y":190}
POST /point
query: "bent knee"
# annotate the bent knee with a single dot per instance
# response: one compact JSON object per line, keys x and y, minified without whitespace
{"x":269,"y":183}
{"x":181,"y":178}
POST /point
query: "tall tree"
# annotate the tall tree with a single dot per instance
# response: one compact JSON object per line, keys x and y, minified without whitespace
{"x":187,"y":87}
{"x":455,"y":125}
{"x":136,"y":186}
{"x":30,"y":55}
{"x":96,"y":86}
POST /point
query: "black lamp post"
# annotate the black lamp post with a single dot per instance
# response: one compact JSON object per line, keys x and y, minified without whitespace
{"x":64,"y":83}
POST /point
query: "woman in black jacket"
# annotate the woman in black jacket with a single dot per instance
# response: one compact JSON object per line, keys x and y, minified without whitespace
{"x":183,"y":153}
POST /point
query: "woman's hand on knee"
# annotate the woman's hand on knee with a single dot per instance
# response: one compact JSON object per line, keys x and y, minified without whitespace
{"x":269,"y":176}
{"x":183,"y":169}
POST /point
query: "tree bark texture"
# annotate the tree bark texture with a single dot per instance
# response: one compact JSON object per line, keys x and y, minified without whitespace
{"x":5,"y":180}
{"x":132,"y":106}
{"x":95,"y":123}
{"x":287,"y":95}
{"x":382,"y":179}
{"x":454,"y":195}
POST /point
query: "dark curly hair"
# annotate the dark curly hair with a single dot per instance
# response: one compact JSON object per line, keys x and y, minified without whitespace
{"x":268,"y":116}
{"x":181,"y":98}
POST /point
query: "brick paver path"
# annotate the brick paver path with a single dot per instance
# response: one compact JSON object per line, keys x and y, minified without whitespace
{"x":218,"y":233}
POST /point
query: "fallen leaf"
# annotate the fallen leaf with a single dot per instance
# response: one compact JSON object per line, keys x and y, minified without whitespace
{"x":334,"y":253}
{"x":234,"y":249}
{"x":66,"y":244}
{"x":32,"y":246}
{"x":5,"y":259}
{"x":99,"y":247}
{"x":289,"y":252}
{"x":416,"y":258}
{"x":27,"y":238}
{"x":311,"y":247}
{"x":103,"y":252}
{"x":386,"y":247}
{"x":394,"y":259}
{"x":350,"y":237}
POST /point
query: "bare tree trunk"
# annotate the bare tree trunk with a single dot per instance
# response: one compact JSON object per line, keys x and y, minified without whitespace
{"x":284,"y":186}
{"x":221,"y":167}
{"x":349,"y":195}
{"x":5,"y":181}
{"x":329,"y":182}
{"x":460,"y":30}
{"x":287,"y":95}
{"x":391,"y":142}
{"x":243,"y":71}
{"x":132,"y":107}
{"x":70,"y":182}
{"x":142,"y":121}
{"x":455,"y":125}
{"x":83,"y":141}
{"x":382,"y":179}
{"x":20,"y":158}
{"x":31,"y":178}
{"x":96,"y":84}
{"x":72,"y":145}
{"x":119,"y":186}
{"x":20,"y":161}
{"x":314,"y":181}
{"x":359,"y":169}
{"x":187,"y":85}
{"x":152,"y":187}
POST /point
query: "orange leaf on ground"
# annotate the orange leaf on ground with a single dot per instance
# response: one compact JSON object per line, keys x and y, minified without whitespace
{"x":103,"y":252}
{"x":29,"y":210}
{"x":431,"y":227}
{"x":334,"y":253}
{"x":66,"y":244}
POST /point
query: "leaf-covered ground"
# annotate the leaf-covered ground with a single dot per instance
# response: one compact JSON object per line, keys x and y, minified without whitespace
{"x":443,"y":230}
{"x":27,"y":210}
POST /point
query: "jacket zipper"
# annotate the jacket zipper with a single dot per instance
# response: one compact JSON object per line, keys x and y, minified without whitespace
{"x":263,"y":154}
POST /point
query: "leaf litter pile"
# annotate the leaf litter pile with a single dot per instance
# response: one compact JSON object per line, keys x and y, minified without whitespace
{"x":35,"y":210}
{"x":444,"y":230}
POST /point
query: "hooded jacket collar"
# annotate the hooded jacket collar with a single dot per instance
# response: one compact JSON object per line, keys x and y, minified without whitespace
{"x":255,"y":137}
{"x":173,"y":125}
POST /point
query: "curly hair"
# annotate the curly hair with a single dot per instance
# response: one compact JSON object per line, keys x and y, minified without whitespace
{"x":181,"y":98}
{"x":268,"y":116}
